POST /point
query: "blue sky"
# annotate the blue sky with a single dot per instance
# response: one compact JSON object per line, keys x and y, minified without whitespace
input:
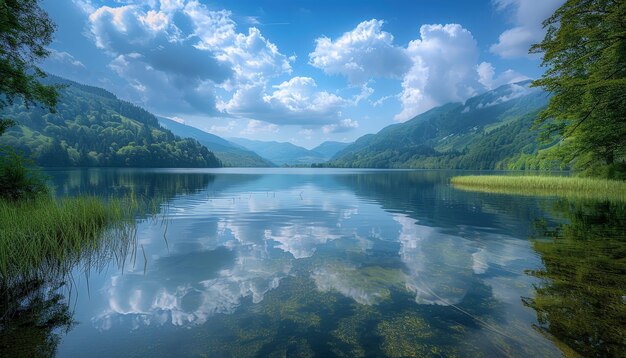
{"x":298,"y":71}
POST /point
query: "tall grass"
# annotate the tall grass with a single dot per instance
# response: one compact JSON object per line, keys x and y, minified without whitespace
{"x":570,"y":187}
{"x":50,"y":236}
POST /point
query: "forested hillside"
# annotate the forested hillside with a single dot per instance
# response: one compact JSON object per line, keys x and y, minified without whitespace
{"x":489,"y":131}
{"x":92,"y":127}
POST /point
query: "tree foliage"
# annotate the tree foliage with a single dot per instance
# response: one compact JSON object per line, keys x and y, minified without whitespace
{"x":584,"y":51}
{"x":25,"y":31}
{"x":18,"y":179}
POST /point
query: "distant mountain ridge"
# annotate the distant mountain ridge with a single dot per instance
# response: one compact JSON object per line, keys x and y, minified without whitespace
{"x":92,"y":127}
{"x":230,"y":154}
{"x":330,"y":148}
{"x":488,"y":131}
{"x":281,"y":153}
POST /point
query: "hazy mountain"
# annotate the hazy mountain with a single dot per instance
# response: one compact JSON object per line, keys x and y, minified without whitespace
{"x":230,"y":154}
{"x":281,"y":153}
{"x":489,"y":131}
{"x":92,"y":127}
{"x":329,"y":148}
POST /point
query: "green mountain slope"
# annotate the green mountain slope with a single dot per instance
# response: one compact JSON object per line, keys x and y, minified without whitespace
{"x":281,"y":153}
{"x":230,"y":154}
{"x":329,"y":148}
{"x":92,"y":127}
{"x":489,"y":131}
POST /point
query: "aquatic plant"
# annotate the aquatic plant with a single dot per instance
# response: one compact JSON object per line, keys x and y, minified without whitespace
{"x":44,"y":234}
{"x":42,"y":241}
{"x":569,"y":187}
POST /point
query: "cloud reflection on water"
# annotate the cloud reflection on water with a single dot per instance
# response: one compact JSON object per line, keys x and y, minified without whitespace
{"x":234,"y":247}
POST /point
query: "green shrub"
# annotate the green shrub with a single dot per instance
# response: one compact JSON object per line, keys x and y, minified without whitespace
{"x":19,"y":179}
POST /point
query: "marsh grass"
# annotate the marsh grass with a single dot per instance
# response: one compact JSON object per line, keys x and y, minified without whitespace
{"x":568,"y":187}
{"x":46,"y":236}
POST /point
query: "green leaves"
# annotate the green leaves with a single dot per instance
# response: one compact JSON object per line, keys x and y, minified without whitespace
{"x":25,"y":31}
{"x":584,"y":51}
{"x":19,"y":181}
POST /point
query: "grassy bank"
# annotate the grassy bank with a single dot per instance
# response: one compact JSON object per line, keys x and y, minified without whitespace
{"x":578,"y":188}
{"x":49,"y":234}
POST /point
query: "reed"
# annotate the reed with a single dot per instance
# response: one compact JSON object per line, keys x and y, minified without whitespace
{"x":46,"y":234}
{"x":569,"y":187}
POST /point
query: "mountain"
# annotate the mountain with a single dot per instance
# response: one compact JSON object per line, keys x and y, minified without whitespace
{"x":281,"y":153}
{"x":92,"y":127}
{"x":329,"y":148}
{"x":230,"y":154}
{"x":489,"y":131}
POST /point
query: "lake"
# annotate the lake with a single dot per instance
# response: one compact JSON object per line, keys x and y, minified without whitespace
{"x":325,"y":262}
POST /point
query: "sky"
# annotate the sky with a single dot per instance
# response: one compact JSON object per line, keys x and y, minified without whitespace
{"x":297,"y":71}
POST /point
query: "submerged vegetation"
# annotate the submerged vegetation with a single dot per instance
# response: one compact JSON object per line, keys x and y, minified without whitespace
{"x":570,"y":187}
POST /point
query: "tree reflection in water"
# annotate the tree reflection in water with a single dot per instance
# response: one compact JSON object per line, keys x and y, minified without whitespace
{"x":581,"y":301}
{"x":34,"y":312}
{"x":34,"y":315}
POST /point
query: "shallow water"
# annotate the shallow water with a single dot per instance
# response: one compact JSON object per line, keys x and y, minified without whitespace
{"x":322,"y":262}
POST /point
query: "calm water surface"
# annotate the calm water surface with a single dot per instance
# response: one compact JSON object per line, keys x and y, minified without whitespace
{"x":320,"y":262}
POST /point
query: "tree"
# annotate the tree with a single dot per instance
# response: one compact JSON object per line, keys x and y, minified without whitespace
{"x":25,"y":31}
{"x":584,"y":51}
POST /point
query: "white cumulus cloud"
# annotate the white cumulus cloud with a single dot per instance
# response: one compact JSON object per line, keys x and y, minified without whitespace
{"x":528,"y":16}
{"x":444,"y":61}
{"x":486,"y":76}
{"x":180,"y":57}
{"x":65,"y":64}
{"x":254,"y":127}
{"x":166,"y":71}
{"x":440,"y":66}
{"x":296,"y":101}
{"x":65,"y":58}
{"x":344,"y":125}
{"x":224,"y":128}
{"x":361,"y":54}
{"x":174,"y":53}
{"x":253,"y":57}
